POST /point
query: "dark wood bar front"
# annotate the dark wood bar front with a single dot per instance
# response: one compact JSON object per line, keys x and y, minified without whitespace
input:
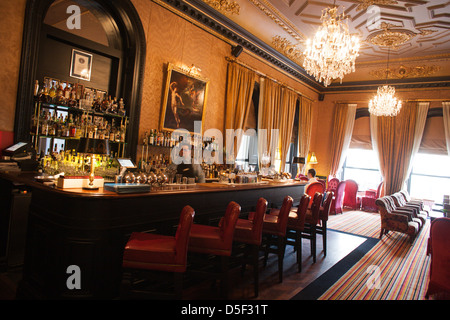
{"x":89,"y":229}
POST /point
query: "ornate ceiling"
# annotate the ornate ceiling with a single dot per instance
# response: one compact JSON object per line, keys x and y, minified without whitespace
{"x":416,"y":31}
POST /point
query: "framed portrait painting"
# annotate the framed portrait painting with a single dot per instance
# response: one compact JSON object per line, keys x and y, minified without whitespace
{"x":184,"y":100}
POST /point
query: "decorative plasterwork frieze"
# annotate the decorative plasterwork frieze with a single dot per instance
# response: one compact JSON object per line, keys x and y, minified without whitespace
{"x":364,"y":4}
{"x":271,"y":12}
{"x":288,"y":49}
{"x":401,"y":72}
{"x":393,"y":38}
{"x":224,"y":6}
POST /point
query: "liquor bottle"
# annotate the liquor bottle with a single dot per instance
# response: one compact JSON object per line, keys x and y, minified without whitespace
{"x":121,"y":107}
{"x":59,"y":98}
{"x":90,"y":131}
{"x":150,"y":138}
{"x":145,"y":139}
{"x":67,"y":93}
{"x":97,"y":105}
{"x":44,"y":95}
{"x":52,"y":91}
{"x":36,"y":88}
{"x":112,"y":134}
{"x":122,"y":133}
{"x":106,"y":104}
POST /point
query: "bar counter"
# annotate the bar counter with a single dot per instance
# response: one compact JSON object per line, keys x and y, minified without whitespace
{"x":89,"y":229}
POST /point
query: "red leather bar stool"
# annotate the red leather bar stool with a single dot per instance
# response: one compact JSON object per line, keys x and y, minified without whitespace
{"x":217,"y":241}
{"x":311,"y":221}
{"x":249,"y":232}
{"x":153,"y":252}
{"x":324,"y":212}
{"x":274,"y":231}
{"x":296,"y":225}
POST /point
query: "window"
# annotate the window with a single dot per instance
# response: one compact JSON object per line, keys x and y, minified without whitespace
{"x":430,"y":177}
{"x":247,"y":157}
{"x":362,"y":166}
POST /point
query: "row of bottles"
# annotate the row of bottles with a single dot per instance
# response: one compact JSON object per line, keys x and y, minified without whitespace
{"x":165,"y":139}
{"x":71,"y":162}
{"x":154,"y":163}
{"x":75,"y":96}
{"x":76,"y":126}
{"x":158,"y":138}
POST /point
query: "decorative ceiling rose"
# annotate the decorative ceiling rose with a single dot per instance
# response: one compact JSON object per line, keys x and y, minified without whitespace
{"x":332,"y":52}
{"x":288,"y":49}
{"x":364,"y":4}
{"x":224,"y":6}
{"x":389,"y":37}
{"x":401,"y":72}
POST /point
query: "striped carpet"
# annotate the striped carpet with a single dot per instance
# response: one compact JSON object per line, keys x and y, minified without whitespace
{"x":403,"y":269}
{"x":362,"y":223}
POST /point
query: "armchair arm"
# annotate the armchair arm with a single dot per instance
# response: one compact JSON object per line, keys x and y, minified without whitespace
{"x":404,"y":213}
{"x":399,"y":216}
{"x":413,"y":209}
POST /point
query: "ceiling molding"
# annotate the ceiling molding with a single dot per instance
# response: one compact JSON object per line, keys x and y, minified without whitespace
{"x":223,"y":27}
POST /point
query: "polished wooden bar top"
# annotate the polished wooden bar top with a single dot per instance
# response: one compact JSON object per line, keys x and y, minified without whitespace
{"x":28,"y":178}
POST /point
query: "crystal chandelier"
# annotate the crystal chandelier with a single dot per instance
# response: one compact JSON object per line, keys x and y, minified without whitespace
{"x":332,"y":52}
{"x":385,"y":103}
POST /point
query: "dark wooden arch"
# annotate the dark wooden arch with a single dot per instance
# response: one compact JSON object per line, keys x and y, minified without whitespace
{"x":118,"y":16}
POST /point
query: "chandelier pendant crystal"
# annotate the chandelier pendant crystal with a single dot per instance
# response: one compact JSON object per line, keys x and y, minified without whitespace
{"x":332,"y":52}
{"x":385,"y":103}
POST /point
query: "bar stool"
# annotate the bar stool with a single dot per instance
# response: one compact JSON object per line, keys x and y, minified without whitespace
{"x":324,"y":212}
{"x":153,"y":252}
{"x":274,"y":231}
{"x":311,"y":221}
{"x":217,"y":241}
{"x":295,"y":227}
{"x":249,"y":232}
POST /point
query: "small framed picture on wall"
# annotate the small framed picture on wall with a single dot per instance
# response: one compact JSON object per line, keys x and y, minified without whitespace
{"x":81,"y":65}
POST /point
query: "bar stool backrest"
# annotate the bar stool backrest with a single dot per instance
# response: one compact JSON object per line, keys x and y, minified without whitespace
{"x":182,"y":234}
{"x":226,"y":228}
{"x":258,"y":219}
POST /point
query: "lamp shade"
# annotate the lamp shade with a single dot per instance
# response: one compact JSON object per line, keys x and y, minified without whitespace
{"x":313,"y":159}
{"x":299,"y":160}
{"x":93,"y":146}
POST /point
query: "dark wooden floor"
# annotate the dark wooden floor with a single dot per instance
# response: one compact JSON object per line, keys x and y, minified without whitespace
{"x":339,"y":245}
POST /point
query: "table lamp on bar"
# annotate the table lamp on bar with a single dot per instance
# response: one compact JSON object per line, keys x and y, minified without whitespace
{"x":92,"y":147}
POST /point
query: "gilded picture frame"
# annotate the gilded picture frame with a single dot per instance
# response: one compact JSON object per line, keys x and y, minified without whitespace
{"x":184,"y":100}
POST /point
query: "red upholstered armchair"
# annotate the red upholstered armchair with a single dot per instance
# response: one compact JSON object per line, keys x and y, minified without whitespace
{"x":368,"y":201}
{"x":350,"y":198}
{"x":438,"y":245}
{"x":337,"y":204}
{"x":332,"y":184}
{"x":312,"y":188}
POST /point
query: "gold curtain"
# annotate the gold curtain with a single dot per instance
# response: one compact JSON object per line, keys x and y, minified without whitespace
{"x":288,"y":104}
{"x":304,"y":130}
{"x":240,"y":85}
{"x":395,"y":141}
{"x":344,"y":119}
{"x":446,"y":118}
{"x":268,"y":117}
